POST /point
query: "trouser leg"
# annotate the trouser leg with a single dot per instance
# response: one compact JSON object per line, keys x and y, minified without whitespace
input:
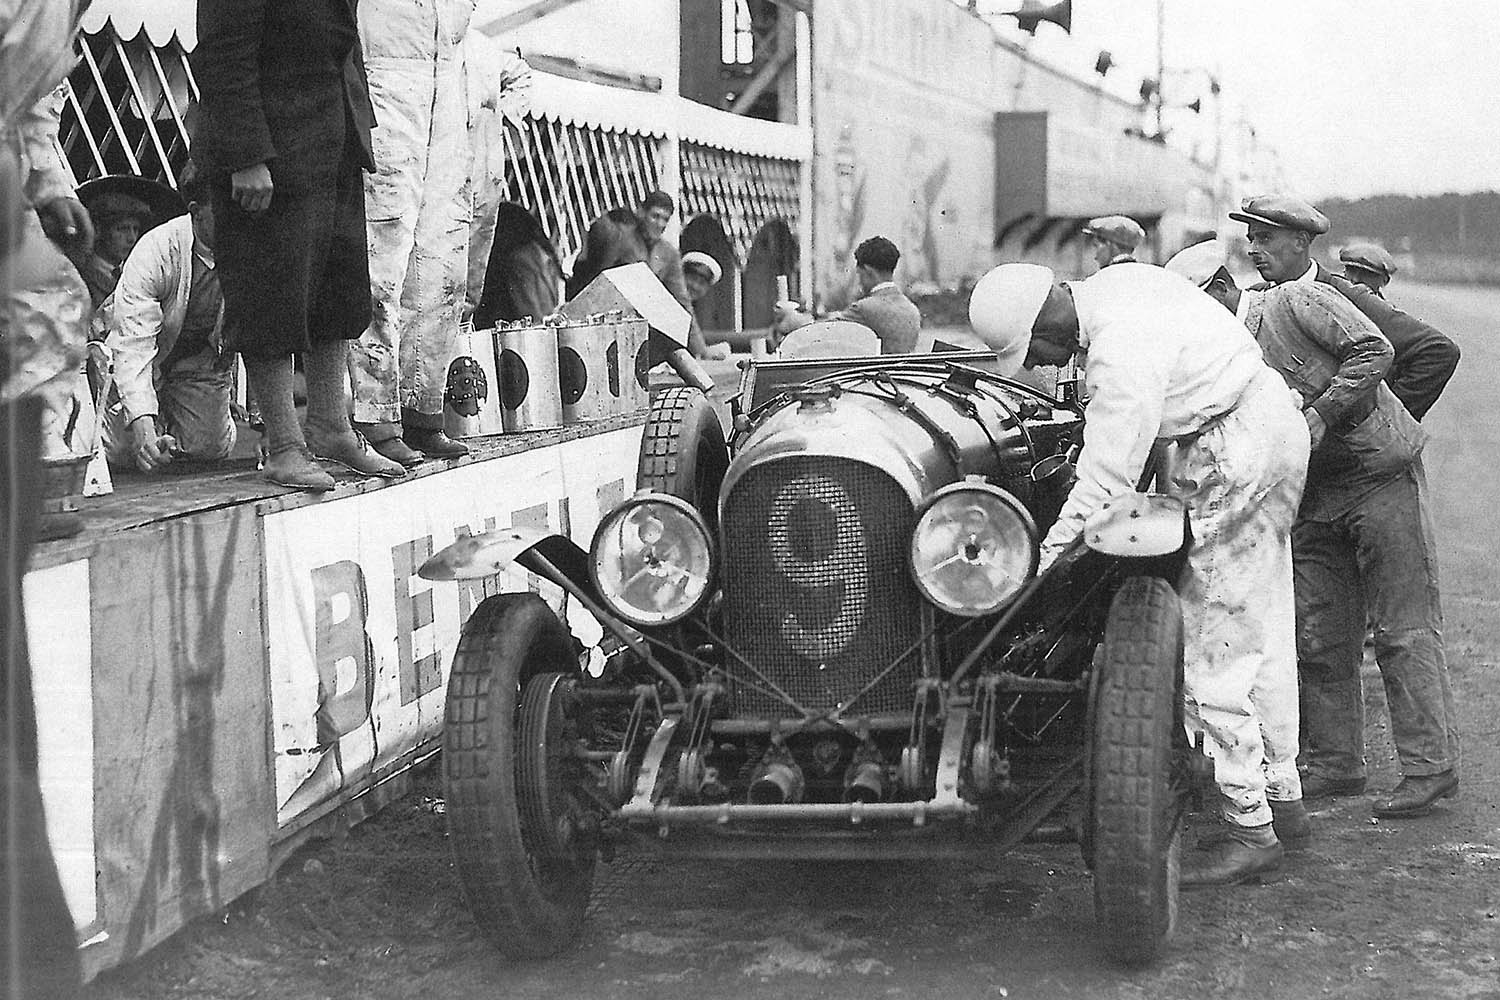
{"x":1330,"y":646}
{"x":195,"y":410}
{"x":1242,"y":484}
{"x":1398,"y":562}
{"x":433,"y":294}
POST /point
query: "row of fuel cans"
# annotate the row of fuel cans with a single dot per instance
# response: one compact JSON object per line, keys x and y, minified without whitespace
{"x":528,"y":375}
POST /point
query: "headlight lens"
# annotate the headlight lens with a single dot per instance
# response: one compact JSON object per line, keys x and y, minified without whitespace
{"x":652,"y":560}
{"x":974,"y":547}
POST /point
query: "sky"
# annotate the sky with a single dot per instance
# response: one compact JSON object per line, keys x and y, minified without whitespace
{"x":1356,"y":97}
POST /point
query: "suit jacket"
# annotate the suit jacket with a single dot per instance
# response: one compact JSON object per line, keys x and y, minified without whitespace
{"x":283,"y":83}
{"x":1425,"y":358}
{"x":894,"y":318}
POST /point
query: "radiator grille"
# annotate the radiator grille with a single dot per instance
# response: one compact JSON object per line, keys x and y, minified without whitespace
{"x":817,"y":594}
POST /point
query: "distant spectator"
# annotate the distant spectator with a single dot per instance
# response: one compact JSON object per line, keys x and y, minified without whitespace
{"x":613,"y":240}
{"x":1368,"y":264}
{"x":700,"y":272}
{"x":523,"y":276}
{"x":666,"y":263}
{"x":883,"y":308}
{"x":1114,"y":239}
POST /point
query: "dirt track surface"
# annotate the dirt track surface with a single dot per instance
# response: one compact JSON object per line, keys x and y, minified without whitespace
{"x":1371,"y":910}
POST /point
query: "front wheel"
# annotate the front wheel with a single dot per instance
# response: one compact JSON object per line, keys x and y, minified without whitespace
{"x":519,"y":821}
{"x":1135,"y":826}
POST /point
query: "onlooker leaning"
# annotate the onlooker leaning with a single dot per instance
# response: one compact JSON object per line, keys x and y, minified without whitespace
{"x":284,"y":134}
{"x":163,"y":324}
{"x":1364,"y":541}
{"x":1368,"y":264}
{"x":1164,"y":361}
{"x":119,"y":220}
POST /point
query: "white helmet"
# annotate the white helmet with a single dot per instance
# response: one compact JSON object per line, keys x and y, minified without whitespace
{"x":1199,"y":262}
{"x":1004,"y":305}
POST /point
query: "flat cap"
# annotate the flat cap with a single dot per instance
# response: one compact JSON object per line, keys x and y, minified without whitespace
{"x":1199,"y":262}
{"x":697,"y":258}
{"x":1120,"y":230}
{"x":124,"y":194}
{"x":1282,"y":211}
{"x":1370,"y":257}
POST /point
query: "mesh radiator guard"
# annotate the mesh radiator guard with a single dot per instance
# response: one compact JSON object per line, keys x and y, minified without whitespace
{"x":817,"y":594}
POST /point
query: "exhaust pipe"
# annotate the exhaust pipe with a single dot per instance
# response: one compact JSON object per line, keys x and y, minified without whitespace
{"x":776,"y":784}
{"x":864,"y":782}
{"x":712,"y":791}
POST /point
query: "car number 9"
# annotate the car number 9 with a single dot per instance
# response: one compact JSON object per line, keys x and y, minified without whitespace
{"x":843,"y":565}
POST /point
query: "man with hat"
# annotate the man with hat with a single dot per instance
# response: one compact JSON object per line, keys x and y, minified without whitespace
{"x":1114,"y":239}
{"x":1361,"y":531}
{"x":1165,"y":362}
{"x":1368,"y":264}
{"x":122,"y":208}
{"x":1358,"y":540}
{"x":1281,"y":229}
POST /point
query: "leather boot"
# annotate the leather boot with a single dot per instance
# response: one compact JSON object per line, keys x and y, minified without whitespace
{"x":1291,"y":823}
{"x":386,"y":441}
{"x":432,"y":441}
{"x":295,"y":468}
{"x":1416,"y":795}
{"x":1244,"y":854}
{"x":353,"y":452}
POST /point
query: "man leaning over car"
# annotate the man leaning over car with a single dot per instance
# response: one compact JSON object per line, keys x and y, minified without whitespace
{"x":1164,"y":361}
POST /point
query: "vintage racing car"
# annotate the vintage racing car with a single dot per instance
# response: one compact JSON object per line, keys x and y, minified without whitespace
{"x":826,"y":637}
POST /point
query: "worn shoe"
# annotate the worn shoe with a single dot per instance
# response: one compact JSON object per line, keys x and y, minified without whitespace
{"x":296,"y":469}
{"x":432,"y":442}
{"x":398,"y":451}
{"x":1290,"y":821}
{"x":1243,"y":855}
{"x":353,"y":452}
{"x":1319,"y":786}
{"x":1416,"y":794}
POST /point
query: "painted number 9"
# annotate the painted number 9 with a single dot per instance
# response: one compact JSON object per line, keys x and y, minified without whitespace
{"x":843,"y":564}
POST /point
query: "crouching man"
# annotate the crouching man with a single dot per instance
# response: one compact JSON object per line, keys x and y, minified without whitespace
{"x":162,"y":323}
{"x":1166,"y":362}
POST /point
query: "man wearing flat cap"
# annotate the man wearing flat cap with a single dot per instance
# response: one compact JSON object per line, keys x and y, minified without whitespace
{"x":1281,"y":229}
{"x":1364,"y":544}
{"x":1114,"y":238}
{"x":1368,"y":264}
{"x":1164,"y":361}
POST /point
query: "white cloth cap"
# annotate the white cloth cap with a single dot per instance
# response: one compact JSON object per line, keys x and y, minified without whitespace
{"x":1004,"y":305}
{"x":1199,"y":262}
{"x":700,"y":259}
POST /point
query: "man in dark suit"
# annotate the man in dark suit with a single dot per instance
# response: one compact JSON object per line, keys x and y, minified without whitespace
{"x":883,"y":308}
{"x":1366,"y":550}
{"x":284,"y":131}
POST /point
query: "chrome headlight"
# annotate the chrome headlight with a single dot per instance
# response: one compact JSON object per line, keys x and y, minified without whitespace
{"x":652,"y":560}
{"x":974,"y":547}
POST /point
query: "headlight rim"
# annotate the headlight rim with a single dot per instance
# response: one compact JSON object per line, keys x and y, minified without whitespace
{"x":1010,"y":500}
{"x":619,"y":511}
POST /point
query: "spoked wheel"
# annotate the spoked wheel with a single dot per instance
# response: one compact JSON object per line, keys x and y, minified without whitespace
{"x":522,"y":833}
{"x":683,"y":451}
{"x":1135,"y":817}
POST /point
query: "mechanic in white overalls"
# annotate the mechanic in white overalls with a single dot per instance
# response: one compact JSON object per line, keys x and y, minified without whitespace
{"x":417,"y":217}
{"x":1165,"y":361}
